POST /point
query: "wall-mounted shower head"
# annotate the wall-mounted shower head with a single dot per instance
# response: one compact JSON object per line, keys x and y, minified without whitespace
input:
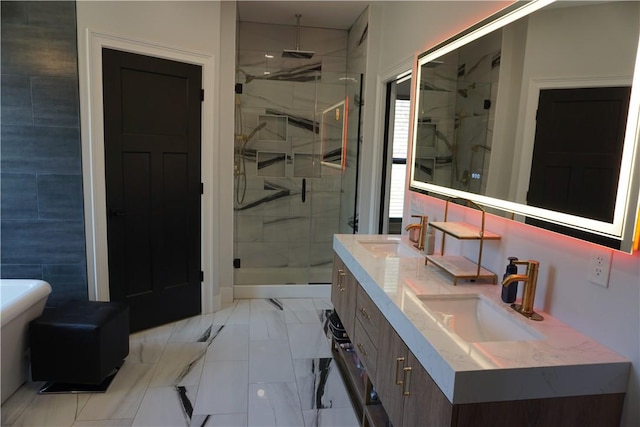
{"x":297,"y":53}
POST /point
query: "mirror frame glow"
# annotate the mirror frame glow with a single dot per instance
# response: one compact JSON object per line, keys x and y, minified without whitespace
{"x":343,"y":143}
{"x":627,"y":202}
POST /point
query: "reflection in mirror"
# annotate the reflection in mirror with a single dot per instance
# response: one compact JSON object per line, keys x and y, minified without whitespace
{"x":531,"y":118}
{"x":333,"y":135}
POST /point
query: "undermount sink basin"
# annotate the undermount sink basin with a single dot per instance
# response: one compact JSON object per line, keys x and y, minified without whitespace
{"x":389,"y":249}
{"x":475,"y":319}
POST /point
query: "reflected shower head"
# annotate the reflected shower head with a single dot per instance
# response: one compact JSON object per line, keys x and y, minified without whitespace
{"x":297,"y":53}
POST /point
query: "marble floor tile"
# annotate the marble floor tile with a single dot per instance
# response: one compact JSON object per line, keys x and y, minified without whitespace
{"x":193,"y":329}
{"x":261,"y":362}
{"x":274,"y":404}
{"x":323,"y":303}
{"x":229,"y":342}
{"x":49,"y":410}
{"x":147,"y":346}
{"x":122,"y":398}
{"x":334,"y":417}
{"x":18,"y":402}
{"x":320,"y":385}
{"x":180,"y":364}
{"x":267,"y":324}
{"x":104,"y":423}
{"x":270,"y":361}
{"x":226,"y":420}
{"x":308,"y":341}
{"x":223,"y":388}
{"x":301,"y":310}
{"x":240,"y":314}
{"x":166,"y":407}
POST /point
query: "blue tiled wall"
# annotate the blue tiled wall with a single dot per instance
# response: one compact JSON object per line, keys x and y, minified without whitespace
{"x":41,"y":208}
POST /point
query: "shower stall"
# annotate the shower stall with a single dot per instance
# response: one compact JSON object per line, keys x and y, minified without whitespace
{"x":297,"y":128}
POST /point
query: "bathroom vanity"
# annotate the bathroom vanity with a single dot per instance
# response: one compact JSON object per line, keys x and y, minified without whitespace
{"x":428,"y":353}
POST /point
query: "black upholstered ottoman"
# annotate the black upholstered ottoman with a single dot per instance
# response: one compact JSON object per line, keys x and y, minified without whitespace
{"x":79,"y":346}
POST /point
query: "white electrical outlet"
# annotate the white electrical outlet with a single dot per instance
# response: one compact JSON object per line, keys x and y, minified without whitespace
{"x":599,"y":267}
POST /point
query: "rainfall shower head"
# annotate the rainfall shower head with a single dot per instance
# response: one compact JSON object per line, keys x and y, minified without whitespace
{"x":297,"y":53}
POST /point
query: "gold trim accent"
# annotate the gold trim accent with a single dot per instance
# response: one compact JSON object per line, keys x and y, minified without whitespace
{"x":398,"y":360}
{"x":406,"y":374}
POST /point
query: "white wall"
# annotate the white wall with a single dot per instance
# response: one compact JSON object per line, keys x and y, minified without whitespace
{"x":398,"y":31}
{"x":609,"y":315}
{"x":188,"y":31}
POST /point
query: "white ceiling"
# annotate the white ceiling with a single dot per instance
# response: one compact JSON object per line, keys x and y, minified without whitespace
{"x":338,"y":15}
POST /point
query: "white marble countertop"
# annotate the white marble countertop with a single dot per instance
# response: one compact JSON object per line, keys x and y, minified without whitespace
{"x":563,"y":362}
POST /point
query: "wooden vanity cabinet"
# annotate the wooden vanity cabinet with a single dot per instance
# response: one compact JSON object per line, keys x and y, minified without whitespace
{"x":408,"y":394}
{"x":343,"y":294}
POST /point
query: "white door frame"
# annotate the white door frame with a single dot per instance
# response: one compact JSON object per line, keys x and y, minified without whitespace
{"x":93,"y":163}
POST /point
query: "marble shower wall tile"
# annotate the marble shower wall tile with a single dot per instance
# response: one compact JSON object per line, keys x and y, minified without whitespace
{"x":258,"y":254}
{"x":249,"y":228}
{"x":286,"y":229}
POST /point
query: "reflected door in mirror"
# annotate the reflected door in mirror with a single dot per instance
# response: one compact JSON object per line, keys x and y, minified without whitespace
{"x":577,"y":150}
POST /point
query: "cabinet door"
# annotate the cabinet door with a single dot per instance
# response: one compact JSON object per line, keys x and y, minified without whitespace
{"x":424,"y":403}
{"x":343,"y":294}
{"x":392,"y":359}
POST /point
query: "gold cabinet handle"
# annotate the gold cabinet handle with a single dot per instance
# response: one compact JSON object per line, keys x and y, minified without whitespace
{"x":364,"y":313}
{"x":398,"y":360}
{"x":341,"y":275}
{"x":361,"y":348}
{"x":406,"y":374}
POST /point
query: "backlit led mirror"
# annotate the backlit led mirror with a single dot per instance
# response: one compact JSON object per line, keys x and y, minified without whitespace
{"x":534,"y":113}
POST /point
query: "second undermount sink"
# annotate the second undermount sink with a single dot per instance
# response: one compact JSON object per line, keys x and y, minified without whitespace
{"x":390,"y":248}
{"x":474,"y":319}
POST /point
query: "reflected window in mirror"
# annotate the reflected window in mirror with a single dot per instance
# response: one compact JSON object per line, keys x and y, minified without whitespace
{"x":396,"y":145}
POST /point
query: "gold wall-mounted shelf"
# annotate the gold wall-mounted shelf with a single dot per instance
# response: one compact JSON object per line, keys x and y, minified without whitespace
{"x":458,"y":266}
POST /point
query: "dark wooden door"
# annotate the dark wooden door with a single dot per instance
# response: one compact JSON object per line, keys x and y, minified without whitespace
{"x":577,"y":152}
{"x":152,"y":115}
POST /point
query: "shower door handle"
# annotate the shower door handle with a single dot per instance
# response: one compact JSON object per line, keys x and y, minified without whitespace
{"x":304,"y":189}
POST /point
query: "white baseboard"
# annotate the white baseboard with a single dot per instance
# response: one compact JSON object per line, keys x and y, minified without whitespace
{"x":281,"y":291}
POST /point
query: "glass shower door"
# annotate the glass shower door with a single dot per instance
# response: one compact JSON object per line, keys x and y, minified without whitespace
{"x":291,"y":195}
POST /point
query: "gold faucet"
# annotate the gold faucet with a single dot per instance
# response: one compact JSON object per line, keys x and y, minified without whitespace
{"x":422,"y":232}
{"x":529,"y":291}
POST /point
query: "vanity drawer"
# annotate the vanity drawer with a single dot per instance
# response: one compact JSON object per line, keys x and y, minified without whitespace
{"x":368,"y":314}
{"x":366,"y":349}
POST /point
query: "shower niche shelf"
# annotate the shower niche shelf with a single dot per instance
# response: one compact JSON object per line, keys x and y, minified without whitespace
{"x":458,"y":266}
{"x":275,"y":129}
